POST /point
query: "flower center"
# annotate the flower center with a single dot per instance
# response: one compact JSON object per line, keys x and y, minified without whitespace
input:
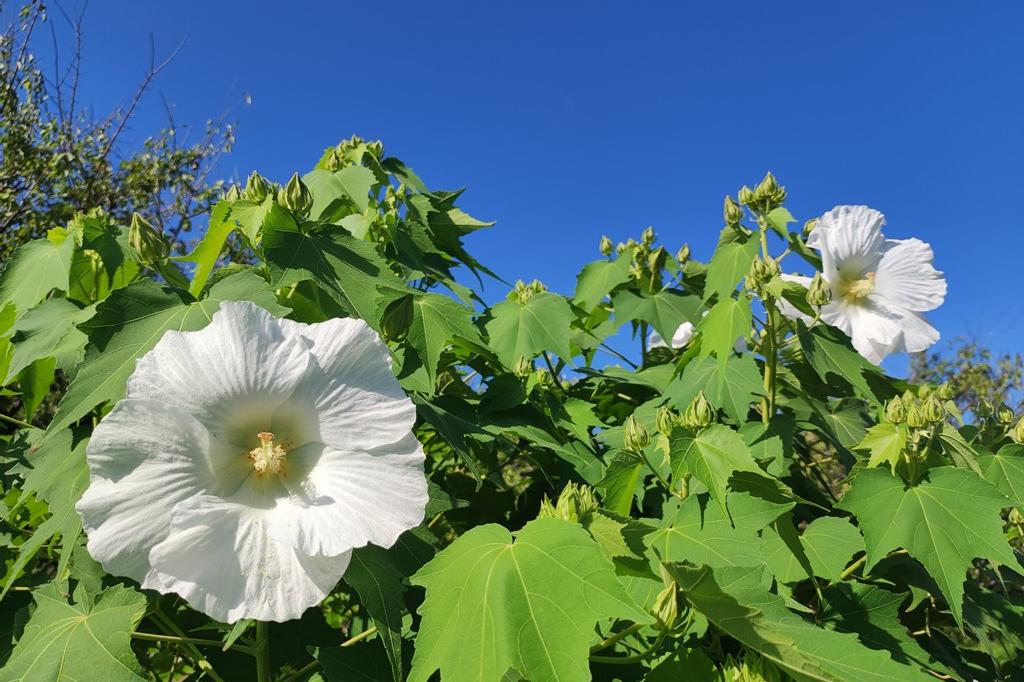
{"x":269,"y":456}
{"x":859,"y":289}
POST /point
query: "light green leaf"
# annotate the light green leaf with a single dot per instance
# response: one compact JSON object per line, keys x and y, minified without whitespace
{"x":829,"y":353}
{"x":701,"y":533}
{"x":829,"y":543}
{"x":620,"y":481}
{"x":352,"y":183}
{"x":712,"y":456}
{"x":729,"y":320}
{"x":957,"y":449}
{"x":523,"y":331}
{"x":79,"y":640}
{"x":36,"y":269}
{"x":736,"y":600}
{"x":208,"y":250}
{"x":597,"y":279}
{"x":730,"y":263}
{"x":885,"y":442}
{"x":130,"y":322}
{"x":945,"y":522}
{"x":779,"y":219}
{"x":49,"y":330}
{"x":1005,"y":470}
{"x":436,"y":320}
{"x":493,"y":605}
{"x":665,"y":310}
{"x":730,"y":386}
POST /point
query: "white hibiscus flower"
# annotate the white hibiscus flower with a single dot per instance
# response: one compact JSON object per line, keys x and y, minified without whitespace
{"x":879,"y":286}
{"x":248,"y":459}
{"x":682,"y":336}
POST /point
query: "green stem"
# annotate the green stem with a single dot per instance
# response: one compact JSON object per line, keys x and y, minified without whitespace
{"x":152,"y":637}
{"x":16,"y":422}
{"x":852,"y":568}
{"x":768,"y":348}
{"x":361,"y":636}
{"x":164,"y":621}
{"x":304,"y":670}
{"x":612,"y":639}
{"x":657,"y":474}
{"x":635,"y":658}
{"x":262,"y":652}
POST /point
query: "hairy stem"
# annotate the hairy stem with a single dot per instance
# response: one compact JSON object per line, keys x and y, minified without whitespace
{"x":262,"y":652}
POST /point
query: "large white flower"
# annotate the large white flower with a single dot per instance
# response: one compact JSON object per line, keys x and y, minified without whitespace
{"x":879,"y":286}
{"x":248,"y":459}
{"x":682,"y":336}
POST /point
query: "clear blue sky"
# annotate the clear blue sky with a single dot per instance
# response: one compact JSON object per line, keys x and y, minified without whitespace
{"x":570,"y":120}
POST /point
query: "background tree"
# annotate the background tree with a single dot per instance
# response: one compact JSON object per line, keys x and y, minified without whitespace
{"x":57,"y":158}
{"x":974,"y":373}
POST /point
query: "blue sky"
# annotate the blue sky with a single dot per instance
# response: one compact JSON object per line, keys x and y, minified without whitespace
{"x":571,"y":120}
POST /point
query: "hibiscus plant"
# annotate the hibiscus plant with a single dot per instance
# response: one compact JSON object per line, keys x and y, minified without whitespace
{"x":329,"y":457}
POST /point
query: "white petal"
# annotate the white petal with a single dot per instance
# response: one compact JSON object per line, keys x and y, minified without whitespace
{"x":220,"y":557}
{"x":907,"y":278}
{"x":787,"y":308}
{"x":878,"y":329}
{"x":354,"y":393}
{"x":144,"y":457}
{"x":849,"y":239}
{"x":683,"y":335}
{"x":231,"y":375}
{"x":343,"y":500}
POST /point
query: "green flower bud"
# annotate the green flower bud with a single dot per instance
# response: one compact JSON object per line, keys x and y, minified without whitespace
{"x":808,"y":226}
{"x":146,"y":244}
{"x":767,"y":187}
{"x":745,"y":196}
{"x":257,"y":188}
{"x":915,"y":417}
{"x":945,"y":391}
{"x":636,"y":436}
{"x":771,"y":268}
{"x":335,"y":160}
{"x":924,"y":390}
{"x":819,"y":293}
{"x":295,"y":196}
{"x":895,"y":411}
{"x":1004,"y":414}
{"x":699,"y":413}
{"x":731,"y":211}
{"x":576,"y":503}
{"x":647,"y":237}
{"x":547,"y":510}
{"x":1017,"y":432}
{"x":543,"y":377}
{"x":397,"y":318}
{"x":666,"y":607}
{"x":684,"y":254}
{"x":758,"y":274}
{"x":984,"y":408}
{"x":656,"y":259}
{"x":376,"y":148}
{"x":523,"y":367}
{"x":933,"y":410}
{"x":667,"y":420}
{"x":606,"y":246}
{"x":620,"y":248}
{"x":233,"y":193}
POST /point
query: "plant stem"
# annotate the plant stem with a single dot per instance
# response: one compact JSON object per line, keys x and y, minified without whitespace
{"x":16,"y":422}
{"x":635,"y":658}
{"x":262,"y":652}
{"x":163,"y":620}
{"x":152,"y":637}
{"x":768,"y":348}
{"x":657,"y":474}
{"x":304,"y":670}
{"x":612,"y":639}
{"x":361,"y":636}
{"x":851,"y":569}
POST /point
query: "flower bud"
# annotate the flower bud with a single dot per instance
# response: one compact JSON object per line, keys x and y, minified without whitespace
{"x":684,"y":254}
{"x":1004,"y":414}
{"x":1017,"y":432}
{"x":699,"y":413}
{"x":767,"y":187}
{"x":945,"y":391}
{"x":895,"y":411}
{"x":397,"y":318}
{"x":146,"y":244}
{"x":819,"y":293}
{"x":915,"y":417}
{"x":233,"y":193}
{"x":933,"y":410}
{"x":523,"y":368}
{"x":771,"y":268}
{"x":620,"y":248}
{"x":647,"y":237}
{"x":666,"y":607}
{"x":606,"y":246}
{"x":924,"y":390}
{"x":745,"y":196}
{"x":257,"y":188}
{"x":335,"y":160}
{"x":376,"y":148}
{"x":667,"y":420}
{"x":984,"y":408}
{"x":656,"y":259}
{"x":576,"y":503}
{"x":808,"y":226}
{"x":731,"y":211}
{"x":295,"y":196}
{"x":758,"y":273}
{"x":636,"y":436}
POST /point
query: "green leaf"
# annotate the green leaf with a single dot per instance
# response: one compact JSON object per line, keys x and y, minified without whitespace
{"x":379,"y":583}
{"x":34,"y":383}
{"x":49,"y":330}
{"x":523,"y":331}
{"x":957,"y":449}
{"x":208,"y":250}
{"x":436,"y":320}
{"x":736,"y":600}
{"x":665,"y":310}
{"x":36,"y":269}
{"x":730,"y":386}
{"x":56,"y":472}
{"x":620,"y":481}
{"x":712,"y":456}
{"x":829,"y":543}
{"x":360,"y":663}
{"x":599,"y":278}
{"x":78,"y":640}
{"x":729,"y":320}
{"x":699,"y":533}
{"x":348,"y":269}
{"x":1005,"y":470}
{"x":530,"y":606}
{"x":885,"y":442}
{"x":130,"y":322}
{"x":829,"y":353}
{"x":779,"y":219}
{"x":945,"y":522}
{"x":352,"y":183}
{"x":730,"y":263}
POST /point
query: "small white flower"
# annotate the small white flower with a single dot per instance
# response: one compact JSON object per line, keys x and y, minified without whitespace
{"x":682,"y":336}
{"x":879,"y":286}
{"x":248,"y":459}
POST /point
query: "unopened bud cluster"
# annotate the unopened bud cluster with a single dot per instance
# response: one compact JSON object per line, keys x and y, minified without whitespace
{"x":295,"y":196}
{"x":635,"y":436}
{"x":761,"y":272}
{"x":819,"y":293}
{"x":523,"y":292}
{"x":146,"y":244}
{"x":1017,"y":432}
{"x":767,"y":195}
{"x":257,"y":188}
{"x":575,"y":504}
{"x":699,"y":413}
